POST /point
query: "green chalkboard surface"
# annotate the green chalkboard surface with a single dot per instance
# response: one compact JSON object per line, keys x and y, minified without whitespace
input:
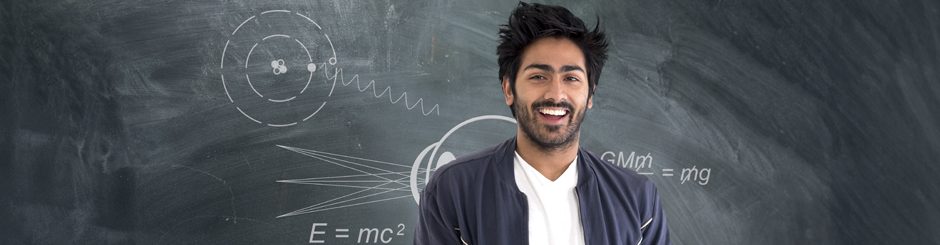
{"x":297,"y":122}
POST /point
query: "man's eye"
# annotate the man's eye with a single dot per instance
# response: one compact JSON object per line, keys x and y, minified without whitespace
{"x":573,"y":79}
{"x":537,"y":77}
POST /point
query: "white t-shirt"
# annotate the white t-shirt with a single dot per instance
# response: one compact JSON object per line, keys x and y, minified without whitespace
{"x":554,"y":217}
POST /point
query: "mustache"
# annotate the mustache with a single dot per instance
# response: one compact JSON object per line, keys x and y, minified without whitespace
{"x":550,"y":103}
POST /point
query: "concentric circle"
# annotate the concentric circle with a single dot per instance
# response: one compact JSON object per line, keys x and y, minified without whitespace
{"x":271,"y":68}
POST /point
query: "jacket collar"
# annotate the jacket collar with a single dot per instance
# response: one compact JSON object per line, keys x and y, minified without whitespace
{"x":504,"y":166}
{"x":586,"y":188}
{"x":507,"y":177}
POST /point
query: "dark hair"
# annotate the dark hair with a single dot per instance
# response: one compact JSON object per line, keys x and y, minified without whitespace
{"x":530,"y":22}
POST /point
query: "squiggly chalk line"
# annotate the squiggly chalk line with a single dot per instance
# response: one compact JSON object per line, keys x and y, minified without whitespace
{"x":339,"y":74}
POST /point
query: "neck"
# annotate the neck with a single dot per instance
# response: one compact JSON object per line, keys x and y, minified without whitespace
{"x":551,"y":163}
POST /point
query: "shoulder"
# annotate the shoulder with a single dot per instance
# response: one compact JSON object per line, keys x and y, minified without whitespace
{"x":462,"y":169}
{"x":465,"y":164}
{"x":624,"y":186}
{"x":618,"y":174}
{"x":624,"y":180}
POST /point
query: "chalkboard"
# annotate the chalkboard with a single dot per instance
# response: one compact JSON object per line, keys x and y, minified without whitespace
{"x":297,"y":122}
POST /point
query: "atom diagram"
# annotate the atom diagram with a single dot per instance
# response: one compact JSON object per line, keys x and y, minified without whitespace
{"x":268,"y":67}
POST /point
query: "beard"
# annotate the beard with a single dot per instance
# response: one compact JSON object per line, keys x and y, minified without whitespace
{"x":549,"y":137}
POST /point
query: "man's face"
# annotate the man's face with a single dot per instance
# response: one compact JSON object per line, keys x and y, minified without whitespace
{"x":551,"y":92}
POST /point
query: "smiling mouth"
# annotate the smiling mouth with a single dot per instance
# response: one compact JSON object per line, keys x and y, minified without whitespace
{"x":553,"y":113}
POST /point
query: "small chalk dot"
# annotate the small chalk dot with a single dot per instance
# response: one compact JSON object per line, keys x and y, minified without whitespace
{"x":311,"y":67}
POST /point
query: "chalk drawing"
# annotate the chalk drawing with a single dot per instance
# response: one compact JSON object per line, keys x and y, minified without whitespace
{"x":268,"y":31}
{"x":425,"y":164}
{"x":375,"y":181}
{"x":257,"y":33}
{"x":366,"y":235}
{"x":643,"y":165}
{"x":338,"y":74}
{"x":279,"y":67}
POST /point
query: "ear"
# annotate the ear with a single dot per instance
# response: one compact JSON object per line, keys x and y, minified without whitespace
{"x":507,"y":91}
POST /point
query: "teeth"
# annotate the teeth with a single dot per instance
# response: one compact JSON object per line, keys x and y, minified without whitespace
{"x":553,"y":112}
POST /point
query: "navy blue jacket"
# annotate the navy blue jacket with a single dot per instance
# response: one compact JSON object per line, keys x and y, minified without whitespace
{"x":475,"y":200}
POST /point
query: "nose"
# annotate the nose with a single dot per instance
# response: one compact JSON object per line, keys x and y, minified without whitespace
{"x":556,"y":91}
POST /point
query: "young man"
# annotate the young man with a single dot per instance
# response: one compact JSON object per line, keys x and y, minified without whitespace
{"x":540,"y":187}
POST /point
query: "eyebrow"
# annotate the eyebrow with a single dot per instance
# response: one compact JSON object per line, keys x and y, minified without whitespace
{"x":564,"y":68}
